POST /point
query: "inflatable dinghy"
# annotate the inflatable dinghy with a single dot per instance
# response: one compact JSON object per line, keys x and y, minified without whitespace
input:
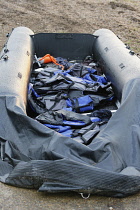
{"x":35,"y":156}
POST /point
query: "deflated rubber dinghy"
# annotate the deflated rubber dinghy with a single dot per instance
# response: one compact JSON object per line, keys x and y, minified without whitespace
{"x":34,"y":156}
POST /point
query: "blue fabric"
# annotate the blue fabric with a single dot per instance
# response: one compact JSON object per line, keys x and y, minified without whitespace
{"x":67,"y":133}
{"x":59,"y":128}
{"x":87,"y":108}
{"x":85,"y":103}
{"x":58,"y":72}
{"x":87,"y":77}
{"x":64,"y":130}
{"x":101,"y":79}
{"x":110,"y":99}
{"x":95,"y":119}
{"x":79,"y":79}
{"x":77,"y":123}
{"x":98,"y":79}
{"x":68,"y":108}
{"x":31,"y":89}
{"x":35,"y":93}
{"x":91,"y":71}
{"x":69,"y":103}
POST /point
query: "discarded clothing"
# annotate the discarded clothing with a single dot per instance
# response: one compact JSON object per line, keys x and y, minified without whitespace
{"x":64,"y":117}
{"x":78,"y":89}
{"x":82,"y":128}
{"x":57,"y":96}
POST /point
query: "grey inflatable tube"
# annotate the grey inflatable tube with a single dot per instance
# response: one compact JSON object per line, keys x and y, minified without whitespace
{"x":15,"y":63}
{"x":119,"y":63}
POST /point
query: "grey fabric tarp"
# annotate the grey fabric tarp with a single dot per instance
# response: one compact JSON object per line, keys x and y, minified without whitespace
{"x":34,"y":156}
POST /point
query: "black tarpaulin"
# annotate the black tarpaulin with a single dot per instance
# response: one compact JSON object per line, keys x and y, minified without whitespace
{"x":36,"y":157}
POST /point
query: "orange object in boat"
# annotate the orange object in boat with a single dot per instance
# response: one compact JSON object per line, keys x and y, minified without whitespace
{"x":48,"y":59}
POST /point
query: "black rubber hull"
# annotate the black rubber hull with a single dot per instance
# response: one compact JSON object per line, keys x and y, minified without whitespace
{"x":34,"y":156}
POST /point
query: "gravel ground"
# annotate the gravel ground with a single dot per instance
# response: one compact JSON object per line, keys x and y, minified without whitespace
{"x":82,"y":16}
{"x":20,"y":199}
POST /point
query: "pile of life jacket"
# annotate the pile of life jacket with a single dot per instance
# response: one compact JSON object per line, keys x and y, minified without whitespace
{"x":70,"y":97}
